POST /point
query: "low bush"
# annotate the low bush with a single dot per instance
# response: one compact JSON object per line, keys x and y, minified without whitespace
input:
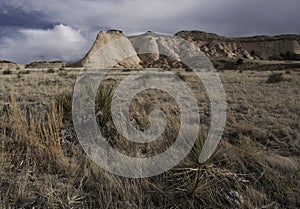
{"x":50,"y":70}
{"x":23,"y":72}
{"x":239,"y":61}
{"x":275,"y":78}
{"x":7,"y":72}
{"x":62,"y":73}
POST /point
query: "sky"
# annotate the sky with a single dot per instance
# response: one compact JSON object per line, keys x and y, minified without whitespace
{"x":38,"y":30}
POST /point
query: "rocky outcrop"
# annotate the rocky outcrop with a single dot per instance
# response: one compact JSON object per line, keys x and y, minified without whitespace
{"x":164,"y":51}
{"x":284,"y":47}
{"x":257,"y":47}
{"x":214,"y":46}
{"x":117,"y":47}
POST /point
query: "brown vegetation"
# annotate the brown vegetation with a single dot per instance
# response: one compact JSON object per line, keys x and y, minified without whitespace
{"x":256,"y":165}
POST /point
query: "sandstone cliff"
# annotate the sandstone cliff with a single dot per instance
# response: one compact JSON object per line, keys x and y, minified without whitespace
{"x":258,"y":47}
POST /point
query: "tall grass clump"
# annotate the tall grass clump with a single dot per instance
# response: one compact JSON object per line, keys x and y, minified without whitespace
{"x":33,"y":135}
{"x":64,"y":101}
{"x":103,"y":103}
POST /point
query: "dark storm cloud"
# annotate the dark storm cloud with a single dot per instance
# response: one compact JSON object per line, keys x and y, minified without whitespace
{"x":16,"y":17}
{"x":84,"y":18}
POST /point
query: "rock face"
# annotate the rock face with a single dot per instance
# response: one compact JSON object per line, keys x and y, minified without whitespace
{"x":160,"y":48}
{"x":258,"y":47}
{"x":159,"y":51}
{"x":119,"y":46}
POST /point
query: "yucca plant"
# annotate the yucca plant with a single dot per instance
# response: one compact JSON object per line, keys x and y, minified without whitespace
{"x":193,"y":156}
{"x":102,"y":104}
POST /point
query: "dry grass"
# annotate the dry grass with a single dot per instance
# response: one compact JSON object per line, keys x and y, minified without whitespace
{"x":256,"y":165}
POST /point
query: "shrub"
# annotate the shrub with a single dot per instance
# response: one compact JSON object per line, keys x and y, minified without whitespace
{"x":275,"y":78}
{"x":62,"y":73}
{"x":23,"y":72}
{"x":61,"y":69}
{"x":239,"y":61}
{"x":50,"y":70}
{"x":7,"y":72}
{"x":290,"y":56}
{"x":230,"y":66}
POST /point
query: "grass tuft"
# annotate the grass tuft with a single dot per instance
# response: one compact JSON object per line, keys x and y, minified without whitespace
{"x":102,"y":104}
{"x":64,"y":101}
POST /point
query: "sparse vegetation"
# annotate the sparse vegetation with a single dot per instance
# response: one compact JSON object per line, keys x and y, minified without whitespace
{"x":50,"y":70}
{"x":275,"y":78}
{"x":289,"y":56}
{"x":7,"y":72}
{"x":62,"y":73}
{"x":240,"y":61}
{"x":44,"y":166}
{"x":230,"y":66}
{"x":24,"y":72}
{"x":288,"y":72}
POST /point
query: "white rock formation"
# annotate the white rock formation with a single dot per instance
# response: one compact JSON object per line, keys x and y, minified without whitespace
{"x":111,"y":49}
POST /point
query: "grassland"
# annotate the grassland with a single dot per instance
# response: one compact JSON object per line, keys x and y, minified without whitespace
{"x":255,"y":166}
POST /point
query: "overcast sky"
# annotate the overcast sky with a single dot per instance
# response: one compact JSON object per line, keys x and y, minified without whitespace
{"x":34,"y":30}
